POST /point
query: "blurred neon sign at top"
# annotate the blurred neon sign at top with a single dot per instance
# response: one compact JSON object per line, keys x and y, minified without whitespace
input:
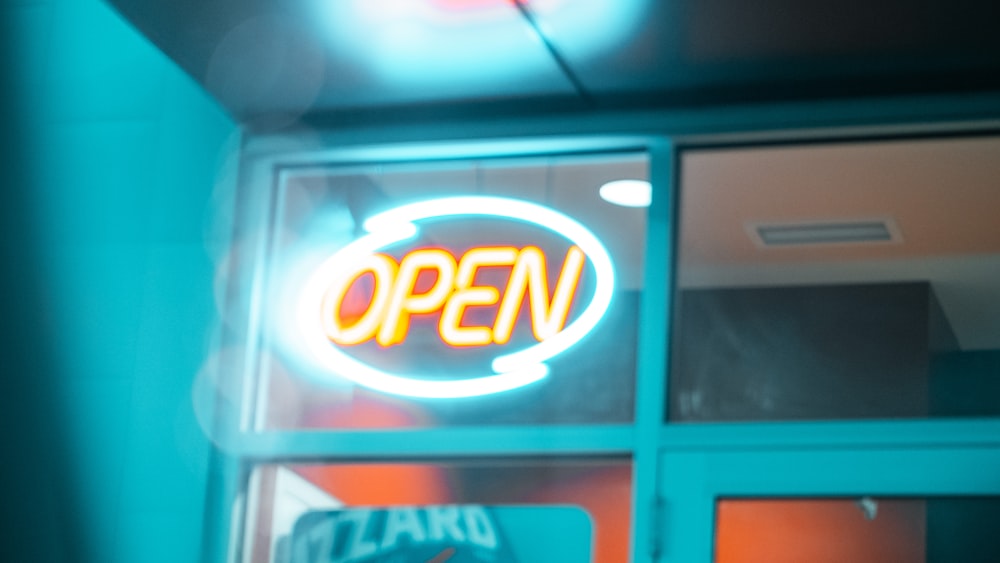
{"x":445,"y":45}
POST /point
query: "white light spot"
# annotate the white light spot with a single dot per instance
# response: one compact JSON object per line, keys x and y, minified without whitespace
{"x":627,"y":193}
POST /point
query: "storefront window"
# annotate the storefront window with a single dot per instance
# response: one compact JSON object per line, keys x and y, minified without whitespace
{"x":838,"y":281}
{"x":457,"y":293}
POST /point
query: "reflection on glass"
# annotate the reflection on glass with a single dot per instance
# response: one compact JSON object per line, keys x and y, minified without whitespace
{"x":859,"y":530}
{"x":459,"y":293}
{"x":834,"y":281}
{"x":281,"y":495}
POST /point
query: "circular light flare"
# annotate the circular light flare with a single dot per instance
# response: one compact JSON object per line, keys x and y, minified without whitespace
{"x":627,"y":193}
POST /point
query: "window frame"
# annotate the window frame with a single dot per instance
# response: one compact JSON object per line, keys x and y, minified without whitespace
{"x":248,"y":447}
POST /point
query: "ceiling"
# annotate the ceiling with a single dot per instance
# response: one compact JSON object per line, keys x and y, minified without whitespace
{"x":274,"y":63}
{"x":942,"y":195}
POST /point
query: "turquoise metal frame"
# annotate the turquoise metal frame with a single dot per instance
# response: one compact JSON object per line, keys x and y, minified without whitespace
{"x":680,"y":470}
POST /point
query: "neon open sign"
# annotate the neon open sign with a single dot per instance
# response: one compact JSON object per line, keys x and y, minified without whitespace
{"x":454,"y":290}
{"x":395,"y":297}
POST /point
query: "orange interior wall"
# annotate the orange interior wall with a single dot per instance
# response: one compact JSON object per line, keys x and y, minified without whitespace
{"x":786,"y":531}
{"x":605,"y":492}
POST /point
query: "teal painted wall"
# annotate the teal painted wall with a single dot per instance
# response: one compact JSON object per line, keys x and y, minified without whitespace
{"x":113,"y":157}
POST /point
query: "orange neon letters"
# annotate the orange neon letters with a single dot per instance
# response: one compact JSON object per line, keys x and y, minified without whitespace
{"x":403,"y":302}
{"x":529,"y":277}
{"x":384,"y":270}
{"x":467,"y":294}
{"x":454,"y":289}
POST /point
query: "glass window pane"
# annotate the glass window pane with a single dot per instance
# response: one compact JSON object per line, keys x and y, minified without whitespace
{"x":860,"y":530}
{"x":457,"y":293}
{"x":838,"y":281}
{"x":590,"y":498}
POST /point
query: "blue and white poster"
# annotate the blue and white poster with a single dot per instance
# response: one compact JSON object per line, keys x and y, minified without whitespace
{"x":443,"y":534}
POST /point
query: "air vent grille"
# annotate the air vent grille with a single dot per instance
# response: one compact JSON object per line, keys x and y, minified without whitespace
{"x":832,"y":232}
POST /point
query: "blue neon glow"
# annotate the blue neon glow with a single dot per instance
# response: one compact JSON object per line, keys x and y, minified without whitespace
{"x":427,"y":48}
{"x":511,"y":370}
{"x":589,"y":29}
{"x":430,"y":49}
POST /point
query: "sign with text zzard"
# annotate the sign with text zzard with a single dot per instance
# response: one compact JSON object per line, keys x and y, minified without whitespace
{"x":438,"y":534}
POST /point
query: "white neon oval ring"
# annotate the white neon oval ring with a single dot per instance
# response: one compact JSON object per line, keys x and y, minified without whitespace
{"x":513,"y":370}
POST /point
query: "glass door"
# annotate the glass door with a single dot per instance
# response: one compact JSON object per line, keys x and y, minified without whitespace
{"x":834,"y":371}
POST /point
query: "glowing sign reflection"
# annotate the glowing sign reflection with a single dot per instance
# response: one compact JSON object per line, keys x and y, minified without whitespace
{"x":395,"y":298}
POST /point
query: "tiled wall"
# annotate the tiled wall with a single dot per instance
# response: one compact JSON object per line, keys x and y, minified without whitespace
{"x":121,"y":154}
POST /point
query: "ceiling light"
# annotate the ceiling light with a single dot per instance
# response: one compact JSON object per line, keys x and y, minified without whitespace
{"x":628,"y":193}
